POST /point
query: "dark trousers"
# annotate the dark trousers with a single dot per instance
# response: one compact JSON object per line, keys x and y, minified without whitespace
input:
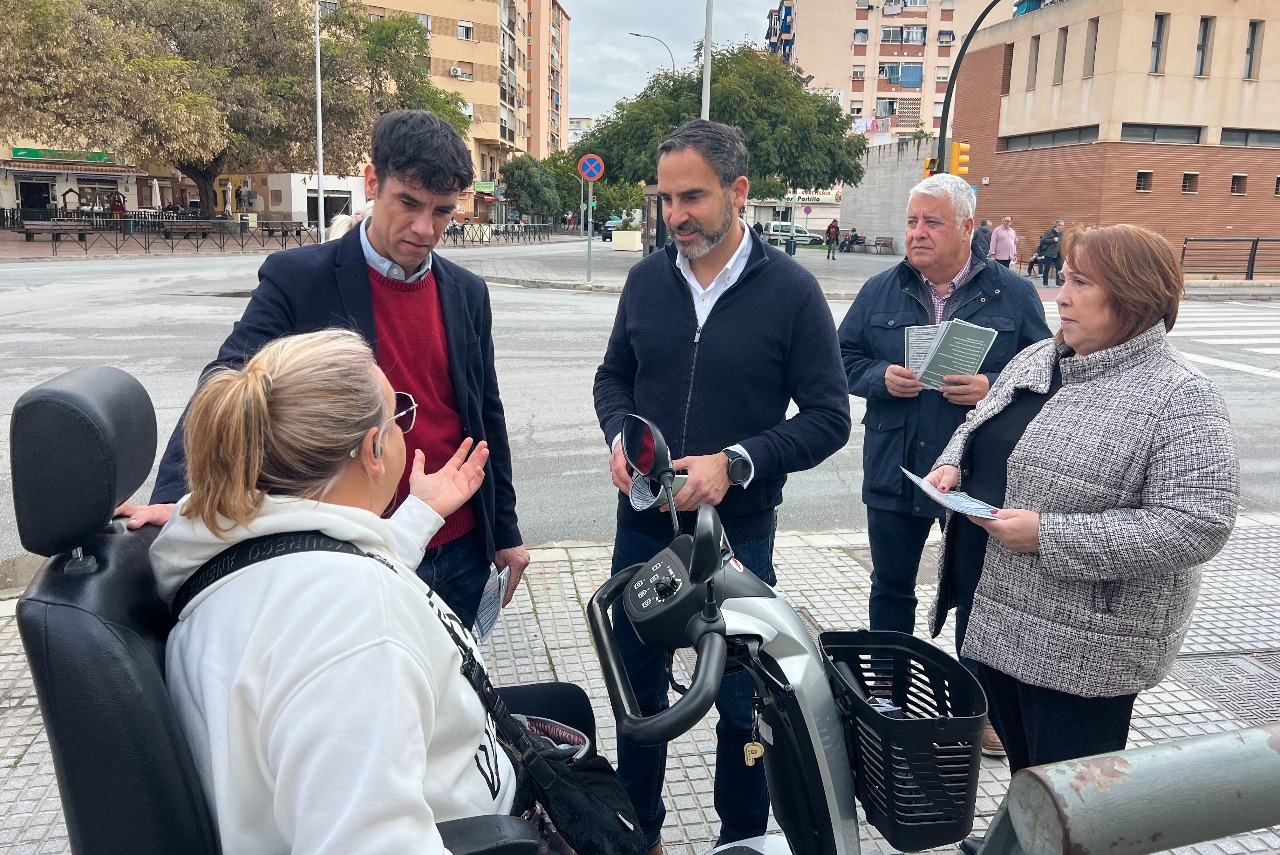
{"x":897,"y":542}
{"x":741,"y":794}
{"x":1039,"y":725}
{"x":457,"y":571}
{"x":1045,"y":263}
{"x":1005,"y":261}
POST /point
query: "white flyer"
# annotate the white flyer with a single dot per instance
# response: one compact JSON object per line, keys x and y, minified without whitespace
{"x":961,"y":503}
{"x":491,"y":603}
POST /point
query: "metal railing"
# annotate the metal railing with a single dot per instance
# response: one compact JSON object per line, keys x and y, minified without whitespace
{"x":476,"y":234}
{"x":157,"y":233}
{"x":1163,"y":796}
{"x":1232,"y":258}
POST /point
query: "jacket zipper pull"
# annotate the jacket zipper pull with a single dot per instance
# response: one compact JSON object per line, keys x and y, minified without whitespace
{"x":697,"y":335}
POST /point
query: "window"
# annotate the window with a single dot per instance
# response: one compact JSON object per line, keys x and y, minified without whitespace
{"x":375,"y":17}
{"x":915,"y":2}
{"x":1253,"y":51}
{"x":946,"y":37}
{"x":1239,"y":183}
{"x":859,"y":72}
{"x":1159,"y":38}
{"x":1033,"y":59}
{"x":462,"y":70}
{"x":469,"y":109}
{"x":1090,"y":47}
{"x":942,"y":73}
{"x":1251,"y":138}
{"x":913,"y":35}
{"x":891,"y":35}
{"x":1278,"y":186}
{"x":1191,"y":182}
{"x":466,"y":31}
{"x":328,"y":7}
{"x":1204,"y":47}
{"x":937,"y":110}
{"x":1060,"y":58}
{"x":1145,"y":180}
{"x":860,"y":37}
{"x":890,"y":72}
{"x":855,"y":109}
{"x":1066,"y":136}
{"x":425,"y":21}
{"x":886,"y":106}
{"x":1178,"y":134}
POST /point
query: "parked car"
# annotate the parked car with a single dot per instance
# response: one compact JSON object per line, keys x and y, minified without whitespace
{"x":607,"y":229}
{"x":777,"y":233}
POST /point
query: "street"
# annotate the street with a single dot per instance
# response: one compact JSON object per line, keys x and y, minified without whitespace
{"x":163,"y":318}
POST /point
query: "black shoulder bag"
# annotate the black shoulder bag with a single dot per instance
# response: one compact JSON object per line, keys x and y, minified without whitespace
{"x":574,"y":786}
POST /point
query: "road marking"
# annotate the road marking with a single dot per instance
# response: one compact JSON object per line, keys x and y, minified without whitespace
{"x":1234,"y":366}
{"x":1265,"y":351}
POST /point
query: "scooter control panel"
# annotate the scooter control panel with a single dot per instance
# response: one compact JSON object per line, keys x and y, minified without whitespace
{"x":657,"y":582}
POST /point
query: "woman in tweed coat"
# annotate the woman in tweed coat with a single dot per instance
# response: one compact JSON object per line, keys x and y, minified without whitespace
{"x":1113,"y":460}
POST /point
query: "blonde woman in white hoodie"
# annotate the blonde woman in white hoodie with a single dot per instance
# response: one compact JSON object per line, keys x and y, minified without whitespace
{"x":320,"y":691}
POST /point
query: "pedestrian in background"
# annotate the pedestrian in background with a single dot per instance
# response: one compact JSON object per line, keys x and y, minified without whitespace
{"x":833,"y":238}
{"x":1050,"y":252}
{"x":1113,"y":462}
{"x":715,"y":337}
{"x":941,"y":278}
{"x":982,"y":239}
{"x":1004,"y":243}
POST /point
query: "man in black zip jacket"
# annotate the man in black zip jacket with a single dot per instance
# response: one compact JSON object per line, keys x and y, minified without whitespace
{"x":714,"y":338}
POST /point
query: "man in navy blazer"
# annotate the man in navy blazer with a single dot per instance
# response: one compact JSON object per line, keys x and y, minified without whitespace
{"x":429,"y":323}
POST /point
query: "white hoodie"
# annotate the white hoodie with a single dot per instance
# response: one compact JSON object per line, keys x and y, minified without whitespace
{"x":320,"y":692}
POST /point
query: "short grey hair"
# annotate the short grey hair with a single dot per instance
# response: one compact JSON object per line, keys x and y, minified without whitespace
{"x":724,"y":147}
{"x":953,"y":187}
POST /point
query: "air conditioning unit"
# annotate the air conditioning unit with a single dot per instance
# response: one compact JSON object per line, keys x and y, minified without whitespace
{"x":455,"y":72}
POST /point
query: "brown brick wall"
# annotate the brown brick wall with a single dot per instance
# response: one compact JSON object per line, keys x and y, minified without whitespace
{"x":1095,"y":183}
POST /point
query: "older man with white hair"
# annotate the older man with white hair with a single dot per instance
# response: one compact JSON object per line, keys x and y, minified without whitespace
{"x":942,"y":278}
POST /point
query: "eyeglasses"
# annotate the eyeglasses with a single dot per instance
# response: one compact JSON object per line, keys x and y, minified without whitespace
{"x":406,"y":411}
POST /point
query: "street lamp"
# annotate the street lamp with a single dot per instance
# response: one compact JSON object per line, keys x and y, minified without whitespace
{"x":661,"y":42}
{"x":319,"y":135}
{"x":706,"y":63}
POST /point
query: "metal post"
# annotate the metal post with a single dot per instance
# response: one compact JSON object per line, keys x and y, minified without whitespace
{"x":706,"y":64}
{"x":591,"y":232}
{"x":664,"y":44}
{"x":582,"y":214}
{"x":951,"y":85}
{"x":319,"y":135}
{"x":1253,"y":257}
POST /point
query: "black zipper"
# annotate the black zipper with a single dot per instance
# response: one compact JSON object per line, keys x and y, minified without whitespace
{"x":697,"y":339}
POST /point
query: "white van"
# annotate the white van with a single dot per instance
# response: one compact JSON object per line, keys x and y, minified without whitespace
{"x":777,"y":233}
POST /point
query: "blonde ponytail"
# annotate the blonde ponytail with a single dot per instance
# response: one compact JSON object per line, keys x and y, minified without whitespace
{"x":284,"y":424}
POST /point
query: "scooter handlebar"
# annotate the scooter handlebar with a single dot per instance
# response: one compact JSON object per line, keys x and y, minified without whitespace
{"x":682,"y":715}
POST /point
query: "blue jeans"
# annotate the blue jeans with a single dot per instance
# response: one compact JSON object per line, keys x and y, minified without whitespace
{"x":897,"y":542}
{"x":457,"y":571}
{"x":741,"y":794}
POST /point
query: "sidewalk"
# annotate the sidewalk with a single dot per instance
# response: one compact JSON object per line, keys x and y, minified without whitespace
{"x":1227,"y":678}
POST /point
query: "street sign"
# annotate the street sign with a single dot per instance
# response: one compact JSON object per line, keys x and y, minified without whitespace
{"x":808,"y":209}
{"x":591,"y":167}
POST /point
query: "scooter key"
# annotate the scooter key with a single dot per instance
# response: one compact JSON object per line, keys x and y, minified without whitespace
{"x":752,"y":752}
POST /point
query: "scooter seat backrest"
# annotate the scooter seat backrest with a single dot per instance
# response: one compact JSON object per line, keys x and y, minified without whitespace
{"x":80,"y":444}
{"x":93,"y":626}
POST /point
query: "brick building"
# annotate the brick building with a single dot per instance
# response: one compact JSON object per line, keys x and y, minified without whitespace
{"x":1161,"y":113}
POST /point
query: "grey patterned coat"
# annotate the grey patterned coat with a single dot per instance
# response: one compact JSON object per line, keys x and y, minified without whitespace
{"x":1132,"y":469}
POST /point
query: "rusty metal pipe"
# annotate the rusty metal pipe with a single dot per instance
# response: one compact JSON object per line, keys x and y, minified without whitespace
{"x":1150,"y":799}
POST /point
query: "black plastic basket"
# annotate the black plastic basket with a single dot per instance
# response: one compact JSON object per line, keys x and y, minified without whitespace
{"x":913,"y":720}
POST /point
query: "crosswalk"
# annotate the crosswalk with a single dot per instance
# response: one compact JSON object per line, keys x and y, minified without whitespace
{"x":1238,"y":336}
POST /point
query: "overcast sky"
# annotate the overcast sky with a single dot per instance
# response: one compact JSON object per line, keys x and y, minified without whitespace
{"x":606,"y":64}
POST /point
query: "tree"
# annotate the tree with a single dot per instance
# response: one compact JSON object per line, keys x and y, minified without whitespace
{"x":563,"y":167}
{"x":228,"y":89}
{"x":530,"y":187}
{"x":618,"y":198}
{"x":796,"y":139}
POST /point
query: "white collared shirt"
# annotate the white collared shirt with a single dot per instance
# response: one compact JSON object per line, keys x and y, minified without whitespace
{"x":704,"y":299}
{"x":386,"y":266}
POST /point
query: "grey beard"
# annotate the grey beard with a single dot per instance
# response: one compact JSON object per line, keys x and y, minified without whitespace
{"x":709,"y":239}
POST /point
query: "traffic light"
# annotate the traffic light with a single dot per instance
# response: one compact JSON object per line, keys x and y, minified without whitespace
{"x":593,"y":203}
{"x":958,"y":163}
{"x":930,"y":166}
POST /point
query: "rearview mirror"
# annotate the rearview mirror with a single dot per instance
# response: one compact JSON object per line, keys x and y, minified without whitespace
{"x":708,"y":541}
{"x":644,"y":448}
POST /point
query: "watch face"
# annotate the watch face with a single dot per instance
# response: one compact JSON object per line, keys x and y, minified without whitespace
{"x":739,"y":469}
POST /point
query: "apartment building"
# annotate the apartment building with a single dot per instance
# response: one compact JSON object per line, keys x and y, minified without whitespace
{"x":548,"y":77}
{"x":579,"y":127}
{"x":887,"y":62}
{"x":1161,"y":113}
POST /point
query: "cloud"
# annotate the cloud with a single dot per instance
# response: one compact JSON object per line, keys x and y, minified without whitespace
{"x":607,"y":65}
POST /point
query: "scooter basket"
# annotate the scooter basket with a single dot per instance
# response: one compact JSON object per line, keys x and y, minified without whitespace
{"x":913,"y":720}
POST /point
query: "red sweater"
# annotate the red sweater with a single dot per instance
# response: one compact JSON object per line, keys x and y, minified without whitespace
{"x":412,"y":352}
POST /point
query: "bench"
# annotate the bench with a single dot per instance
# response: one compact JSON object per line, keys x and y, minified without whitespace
{"x":56,"y":229}
{"x":186,"y":228}
{"x":285,"y":227}
{"x":880,"y":245}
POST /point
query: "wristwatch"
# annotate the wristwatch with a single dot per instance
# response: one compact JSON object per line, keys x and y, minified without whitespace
{"x":739,"y":467}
